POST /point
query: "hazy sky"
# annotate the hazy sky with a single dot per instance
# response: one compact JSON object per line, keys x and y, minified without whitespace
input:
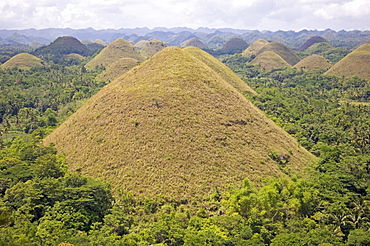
{"x":243,"y":14}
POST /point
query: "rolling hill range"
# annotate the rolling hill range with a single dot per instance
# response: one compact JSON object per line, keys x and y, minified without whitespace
{"x":23,"y":61}
{"x":355,"y":63}
{"x":173,"y":127}
{"x":116,"y":50}
{"x":313,"y":62}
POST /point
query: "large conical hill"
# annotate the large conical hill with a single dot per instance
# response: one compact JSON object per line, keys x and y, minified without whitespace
{"x":255,"y":47}
{"x":220,"y":68}
{"x":269,"y":60}
{"x":116,"y":69}
{"x":282,"y":50}
{"x":311,"y":41}
{"x":313,"y":62}
{"x":172,"y":127}
{"x":23,"y":61}
{"x":114,"y":51}
{"x":355,"y":63}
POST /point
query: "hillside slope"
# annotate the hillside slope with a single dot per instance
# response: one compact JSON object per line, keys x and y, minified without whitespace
{"x":355,"y":63}
{"x":313,"y":62}
{"x":23,"y":61}
{"x":269,"y":60}
{"x":174,"y":128}
{"x":282,"y":50}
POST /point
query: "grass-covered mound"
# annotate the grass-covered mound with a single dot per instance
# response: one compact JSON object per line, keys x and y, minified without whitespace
{"x":355,"y":63}
{"x":333,"y":54}
{"x":153,"y":47}
{"x":141,"y":44}
{"x":254,"y":47}
{"x":282,"y":50}
{"x":23,"y":61}
{"x":116,"y":50}
{"x":116,"y":69}
{"x":311,"y":41}
{"x":313,"y":62}
{"x":195,"y":43}
{"x":234,"y":45}
{"x":173,"y":127}
{"x":74,"y":56}
{"x":269,"y":60}
{"x":224,"y":71}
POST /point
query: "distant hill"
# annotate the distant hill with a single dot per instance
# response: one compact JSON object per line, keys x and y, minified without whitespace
{"x":141,"y":44}
{"x":116,"y":69}
{"x":333,"y":54}
{"x":195,"y":43}
{"x":173,"y":127}
{"x":23,"y":61}
{"x":152,"y":47}
{"x":355,"y":63}
{"x":282,"y":50}
{"x":116,"y":50}
{"x":74,"y":56}
{"x":313,"y":62}
{"x":269,"y":60}
{"x":232,"y":46}
{"x":63,"y":46}
{"x":312,"y":41}
{"x":254,"y":47}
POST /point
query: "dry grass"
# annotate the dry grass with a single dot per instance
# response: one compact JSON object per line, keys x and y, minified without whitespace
{"x":220,"y":69}
{"x":282,"y":50}
{"x":269,"y":60}
{"x":173,"y":127}
{"x":355,"y":63}
{"x":74,"y":56}
{"x":116,"y":69}
{"x":313,"y":62}
{"x":254,"y":47}
{"x":23,"y":61}
{"x":116,"y":50}
{"x":153,"y":47}
{"x":194,"y":42}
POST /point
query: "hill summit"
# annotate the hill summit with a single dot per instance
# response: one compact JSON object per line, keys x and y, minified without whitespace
{"x":173,"y":127}
{"x":23,"y":61}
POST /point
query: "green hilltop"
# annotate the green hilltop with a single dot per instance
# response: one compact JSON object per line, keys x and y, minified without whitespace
{"x":173,"y":127}
{"x":23,"y":61}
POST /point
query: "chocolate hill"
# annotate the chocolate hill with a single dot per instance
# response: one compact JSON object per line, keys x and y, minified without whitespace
{"x":355,"y":63}
{"x":269,"y":60}
{"x":311,"y":41}
{"x":173,"y":127}
{"x":234,"y":45}
{"x":196,"y":43}
{"x":116,"y":50}
{"x":313,"y":62}
{"x":116,"y":69}
{"x":282,"y":50}
{"x":23,"y":61}
{"x":254,"y":47}
{"x":152,"y":47}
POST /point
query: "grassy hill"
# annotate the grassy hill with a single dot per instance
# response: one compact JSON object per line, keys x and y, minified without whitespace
{"x":355,"y":63}
{"x":116,"y":69}
{"x":196,"y":43}
{"x":333,"y":54}
{"x":152,"y":47}
{"x":311,"y":41}
{"x":254,"y":47}
{"x":23,"y":61}
{"x":74,"y":56}
{"x":64,"y":46}
{"x":221,"y":69}
{"x":313,"y":62}
{"x":116,"y":50}
{"x":282,"y":50}
{"x":172,"y":127}
{"x":141,"y":44}
{"x":233,"y":46}
{"x":269,"y":60}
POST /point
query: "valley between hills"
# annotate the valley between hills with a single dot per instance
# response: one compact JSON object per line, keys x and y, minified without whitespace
{"x":185,"y":138}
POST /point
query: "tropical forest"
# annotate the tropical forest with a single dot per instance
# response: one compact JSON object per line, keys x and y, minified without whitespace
{"x":185,"y":138}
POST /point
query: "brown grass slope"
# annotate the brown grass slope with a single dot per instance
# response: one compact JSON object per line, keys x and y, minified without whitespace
{"x":269,"y":60}
{"x":23,"y":61}
{"x":173,"y":127}
{"x":153,"y":47}
{"x":220,"y":68}
{"x":311,"y":41}
{"x":282,"y":50}
{"x":355,"y":63}
{"x":254,"y":47}
{"x":313,"y":62}
{"x":116,"y":50}
{"x":116,"y":69}
{"x":196,"y":43}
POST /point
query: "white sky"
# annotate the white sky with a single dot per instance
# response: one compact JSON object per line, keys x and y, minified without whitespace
{"x":244,"y":14}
